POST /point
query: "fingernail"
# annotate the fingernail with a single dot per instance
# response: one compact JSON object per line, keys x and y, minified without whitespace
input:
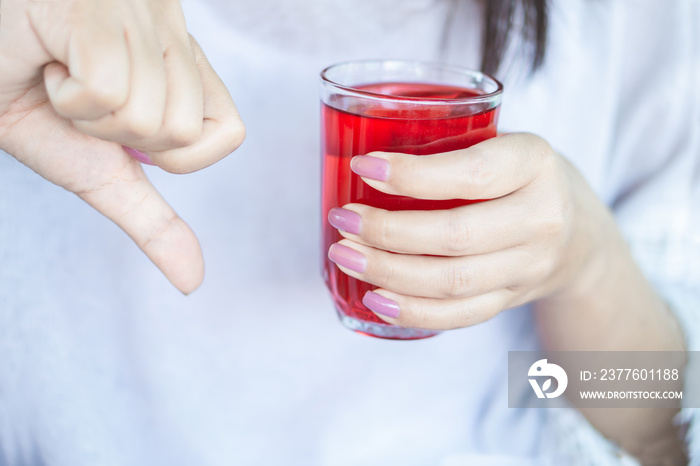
{"x":381,"y":305}
{"x":370,"y":167}
{"x":348,"y":258}
{"x":345,"y":220}
{"x":138,"y":155}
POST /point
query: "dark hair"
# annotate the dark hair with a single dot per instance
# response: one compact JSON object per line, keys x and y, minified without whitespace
{"x":500,"y":17}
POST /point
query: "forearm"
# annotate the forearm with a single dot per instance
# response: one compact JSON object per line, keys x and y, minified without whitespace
{"x":614,"y":308}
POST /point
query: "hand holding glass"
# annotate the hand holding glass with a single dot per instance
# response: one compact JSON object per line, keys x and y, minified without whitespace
{"x":392,"y":106}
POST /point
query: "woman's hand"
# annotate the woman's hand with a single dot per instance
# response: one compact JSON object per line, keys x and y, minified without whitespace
{"x":543,"y":237}
{"x":543,"y":232}
{"x":79,"y":79}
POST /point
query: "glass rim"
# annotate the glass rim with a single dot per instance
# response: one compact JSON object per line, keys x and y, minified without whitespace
{"x":409,"y":100}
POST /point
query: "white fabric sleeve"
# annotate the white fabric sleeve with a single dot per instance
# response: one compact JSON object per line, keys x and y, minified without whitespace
{"x":573,"y":441}
{"x":660,"y":218}
{"x":661,"y":223}
{"x":672,"y":264}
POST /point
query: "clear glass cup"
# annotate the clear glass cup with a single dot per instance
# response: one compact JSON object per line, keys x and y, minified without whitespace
{"x":392,"y":106}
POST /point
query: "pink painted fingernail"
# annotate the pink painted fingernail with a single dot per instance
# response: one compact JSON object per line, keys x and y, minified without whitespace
{"x":138,"y":155}
{"x":345,"y":220}
{"x":370,"y":167}
{"x":348,"y":258}
{"x":381,"y":305}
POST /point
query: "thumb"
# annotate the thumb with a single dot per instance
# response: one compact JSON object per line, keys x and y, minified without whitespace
{"x":131,"y":201}
{"x":111,"y":181}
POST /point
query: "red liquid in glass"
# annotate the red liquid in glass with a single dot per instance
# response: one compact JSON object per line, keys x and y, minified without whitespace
{"x":358,"y":128}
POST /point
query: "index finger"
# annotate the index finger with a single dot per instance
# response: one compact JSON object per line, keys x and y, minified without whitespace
{"x":491,"y":169}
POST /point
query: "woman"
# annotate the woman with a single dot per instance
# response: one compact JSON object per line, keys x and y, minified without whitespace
{"x":105,"y":364}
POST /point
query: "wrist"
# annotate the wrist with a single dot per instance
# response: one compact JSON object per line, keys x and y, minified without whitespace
{"x":596,"y":246}
{"x":598,"y":262}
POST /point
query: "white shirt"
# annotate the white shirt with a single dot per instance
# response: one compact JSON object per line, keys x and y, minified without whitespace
{"x":102,"y":362}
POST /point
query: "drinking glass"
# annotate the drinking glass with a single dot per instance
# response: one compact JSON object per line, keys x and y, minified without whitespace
{"x":392,"y":106}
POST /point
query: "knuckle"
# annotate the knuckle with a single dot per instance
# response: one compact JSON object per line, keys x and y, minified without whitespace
{"x":479,"y":172}
{"x":416,"y":316}
{"x":235,"y":133}
{"x":109,"y":97}
{"x":473,"y":311}
{"x":540,"y":149}
{"x":380,"y":231}
{"x":555,"y":221}
{"x":457,"y":278}
{"x":458,"y":233}
{"x":183,"y":133}
{"x":142,"y":125}
{"x":465,"y":316}
{"x":531,"y":139}
{"x":543,"y":148}
{"x":540,"y":270}
{"x":385,"y":276}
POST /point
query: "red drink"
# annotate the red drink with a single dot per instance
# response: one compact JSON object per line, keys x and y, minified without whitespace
{"x":352,"y":126}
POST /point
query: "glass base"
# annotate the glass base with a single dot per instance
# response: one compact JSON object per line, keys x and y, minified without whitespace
{"x":389,"y":332}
